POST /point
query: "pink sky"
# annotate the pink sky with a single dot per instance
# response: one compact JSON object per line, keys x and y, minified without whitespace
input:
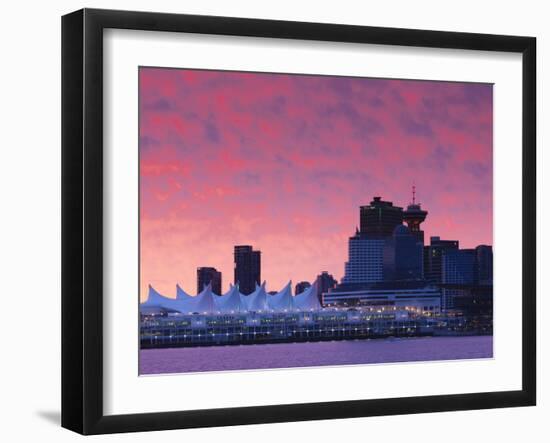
{"x":283,"y":162}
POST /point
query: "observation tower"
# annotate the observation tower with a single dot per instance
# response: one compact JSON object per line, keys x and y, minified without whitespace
{"x":414,"y":215}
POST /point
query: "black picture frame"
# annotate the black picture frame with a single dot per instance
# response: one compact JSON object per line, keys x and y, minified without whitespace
{"x":82,"y":215}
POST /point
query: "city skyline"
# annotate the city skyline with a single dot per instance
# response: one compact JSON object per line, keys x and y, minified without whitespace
{"x":282,"y":162}
{"x":254,"y":282}
{"x":248,"y":269}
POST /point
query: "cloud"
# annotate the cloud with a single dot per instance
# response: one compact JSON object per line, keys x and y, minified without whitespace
{"x":249,"y":178}
{"x":159,"y":105}
{"x":477,"y":169}
{"x":440,"y":158}
{"x":341,"y":86}
{"x":413,"y":126}
{"x":375,"y":102}
{"x":283,"y":162}
{"x":211,"y":132}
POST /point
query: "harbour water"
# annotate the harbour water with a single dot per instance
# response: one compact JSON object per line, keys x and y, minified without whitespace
{"x":294,"y":355}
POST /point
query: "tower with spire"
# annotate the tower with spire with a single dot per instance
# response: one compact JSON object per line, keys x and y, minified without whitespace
{"x":414,"y":215}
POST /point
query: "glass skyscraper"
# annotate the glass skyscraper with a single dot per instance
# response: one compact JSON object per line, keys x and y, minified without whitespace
{"x":247,"y":268}
{"x":364,"y":263}
{"x":403,"y":257}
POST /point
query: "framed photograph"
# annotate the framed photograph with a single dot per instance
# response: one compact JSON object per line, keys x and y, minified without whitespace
{"x":268,"y":221}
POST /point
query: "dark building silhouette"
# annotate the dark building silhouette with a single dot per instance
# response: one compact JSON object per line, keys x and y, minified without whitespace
{"x":402,"y":256}
{"x":379,"y":219}
{"x":414,"y":216}
{"x":476,"y":302}
{"x":247,"y":268}
{"x":459,"y":267}
{"x":301,"y":287}
{"x":433,"y":258}
{"x":458,"y":273}
{"x":209,"y":275}
{"x":325,"y":281}
{"x":484,"y":265}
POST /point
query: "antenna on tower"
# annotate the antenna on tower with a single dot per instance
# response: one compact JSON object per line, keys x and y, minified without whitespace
{"x":414,"y":193}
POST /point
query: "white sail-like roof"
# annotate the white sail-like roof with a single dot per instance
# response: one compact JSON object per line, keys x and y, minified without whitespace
{"x":186,"y":303}
{"x":181,"y":294}
{"x":308,"y":299}
{"x":283,"y":300}
{"x":257,"y":301}
{"x":231,"y":301}
{"x":205,"y":300}
{"x":156,"y":300}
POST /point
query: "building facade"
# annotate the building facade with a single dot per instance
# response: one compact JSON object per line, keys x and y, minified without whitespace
{"x":247,"y":268}
{"x":403,"y":256}
{"x":414,"y":295}
{"x":458,"y":271}
{"x":325,"y":283}
{"x":206,"y":276}
{"x":379,"y":218}
{"x":433,"y":258}
{"x":365,"y":264}
{"x":484,"y":265}
{"x":459,"y":267}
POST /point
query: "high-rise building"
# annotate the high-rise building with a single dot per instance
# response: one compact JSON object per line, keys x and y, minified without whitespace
{"x":301,"y":287}
{"x":207,"y":276}
{"x":414,"y":216}
{"x":459,"y":267}
{"x":379,"y":219}
{"x":433,"y":258}
{"x":365,"y":264}
{"x":247,"y":268}
{"x":402,"y":256}
{"x":458,"y":272}
{"x":325,"y":281}
{"x":484,"y":265}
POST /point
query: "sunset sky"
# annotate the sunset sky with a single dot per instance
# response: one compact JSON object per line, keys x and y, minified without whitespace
{"x":283,"y":162}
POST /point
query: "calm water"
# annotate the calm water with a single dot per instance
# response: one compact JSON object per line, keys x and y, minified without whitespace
{"x":293,"y":355}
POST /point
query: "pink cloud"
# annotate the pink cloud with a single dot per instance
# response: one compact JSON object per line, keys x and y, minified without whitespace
{"x":283,"y":162}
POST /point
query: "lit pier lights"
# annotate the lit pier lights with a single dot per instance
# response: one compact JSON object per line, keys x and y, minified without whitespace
{"x":414,"y":215}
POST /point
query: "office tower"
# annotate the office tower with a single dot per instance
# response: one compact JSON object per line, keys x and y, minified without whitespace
{"x":458,"y":272}
{"x":459,"y":267}
{"x":433,"y":258}
{"x":414,"y":216}
{"x":379,"y":219}
{"x":247,"y":268}
{"x":301,"y":287}
{"x":402,"y":256}
{"x":484,"y":265}
{"x":207,"y":276}
{"x":365,"y":264}
{"x":325,"y":281}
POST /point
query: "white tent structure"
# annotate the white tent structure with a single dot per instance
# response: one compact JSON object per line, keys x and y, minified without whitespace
{"x":157,"y":301}
{"x":257,"y":301}
{"x":186,"y":302}
{"x":181,"y":294}
{"x":307,"y":300}
{"x":232,"y":301}
{"x":205,"y":302}
{"x":283,"y":300}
